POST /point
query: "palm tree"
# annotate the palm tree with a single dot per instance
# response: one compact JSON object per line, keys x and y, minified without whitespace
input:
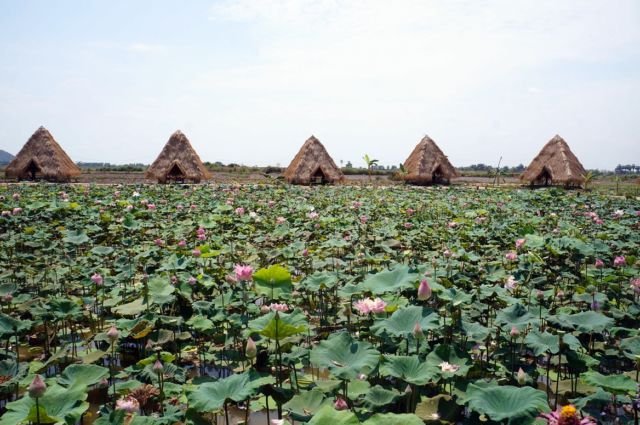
{"x":370,"y":163}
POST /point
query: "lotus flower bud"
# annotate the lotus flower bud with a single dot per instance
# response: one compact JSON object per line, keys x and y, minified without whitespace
{"x":113,"y":334}
{"x":340,"y":404}
{"x":514,"y":332}
{"x":522,"y":377}
{"x":37,"y":387}
{"x":417,"y":331}
{"x":251,"y":351}
{"x":424,"y":290}
{"x":128,"y":404}
{"x":158,"y":367}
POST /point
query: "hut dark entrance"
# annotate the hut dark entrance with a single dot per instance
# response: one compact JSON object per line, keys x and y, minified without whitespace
{"x":33,"y":170}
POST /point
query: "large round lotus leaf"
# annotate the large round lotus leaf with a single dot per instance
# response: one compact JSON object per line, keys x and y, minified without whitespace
{"x":345,"y":357}
{"x":394,"y":419}
{"x":408,"y":368}
{"x":516,"y":316}
{"x":396,"y":280}
{"x":57,"y":405}
{"x":273,"y":281}
{"x":402,"y":322}
{"x":83,"y":375}
{"x":515,"y":404}
{"x":449,"y":354}
{"x":160,"y":291}
{"x":319,"y":280}
{"x":75,"y":237}
{"x":329,"y":415}
{"x":306,"y":404}
{"x":441,"y":408}
{"x":614,"y":384}
{"x":587,"y":321}
{"x":211,"y":396}
{"x":278,"y":325}
{"x":379,"y":396}
{"x":455,"y":297}
{"x":542,"y":342}
{"x":631,"y":347}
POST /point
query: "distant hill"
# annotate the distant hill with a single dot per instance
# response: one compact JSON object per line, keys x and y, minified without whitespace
{"x":5,"y":157}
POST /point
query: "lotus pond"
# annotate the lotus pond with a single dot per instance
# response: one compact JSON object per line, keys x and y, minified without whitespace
{"x":332,"y":305}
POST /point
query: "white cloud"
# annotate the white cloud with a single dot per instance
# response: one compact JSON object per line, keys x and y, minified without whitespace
{"x":146,"y":48}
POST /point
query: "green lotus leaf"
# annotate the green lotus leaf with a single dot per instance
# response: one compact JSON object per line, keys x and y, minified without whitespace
{"x":614,"y":384}
{"x":303,"y":406}
{"x":408,"y":368}
{"x":455,"y":297}
{"x":395,"y":280}
{"x":328,"y":415}
{"x":379,"y":396}
{"x":83,"y":375}
{"x":393,"y":419}
{"x":75,"y":237}
{"x":133,"y":308}
{"x":345,"y":357}
{"x":102,"y":250}
{"x":516,"y":316}
{"x":212,"y":396}
{"x":441,"y":408}
{"x":513,"y":404}
{"x":61,"y":405}
{"x":448,"y":354}
{"x":273,"y":281}
{"x":402,"y":322}
{"x":319,"y":280}
{"x":542,"y":342}
{"x":161,"y":290}
{"x":631,"y":347}
{"x":587,"y":321}
{"x":200,"y":323}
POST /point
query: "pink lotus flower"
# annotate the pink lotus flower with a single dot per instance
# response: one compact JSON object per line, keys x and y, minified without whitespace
{"x":340,"y":404}
{"x":408,"y":225}
{"x":452,"y":225}
{"x":511,"y":284}
{"x":417,"y":331}
{"x":16,"y":196}
{"x":151,"y":207}
{"x":179,"y":207}
{"x":113,"y":334}
{"x":6,"y":213}
{"x":251,"y":351}
{"x":97,"y":279}
{"x":305,"y":252}
{"x":313,"y":215}
{"x":511,"y":256}
{"x":355,"y":205}
{"x":182,"y":244}
{"x":520,"y":243}
{"x":243,"y":272}
{"x":448,"y":367}
{"x":17,"y":210}
{"x":37,"y":387}
{"x":447,"y":253}
{"x":196,"y":253}
{"x":128,"y":404}
{"x":279,"y":307}
{"x":193,"y":207}
{"x":410,"y":211}
{"x":367,"y":305}
{"x":239,"y":211}
{"x":271,"y":204}
{"x":424,"y":290}
{"x":514,"y":332}
{"x":635,"y":285}
{"x":7,"y":298}
{"x":281,"y":220}
{"x":599,"y":263}
{"x":158,"y":367}
{"x":618,"y":214}
{"x":567,"y":415}
{"x":598,"y":221}
{"x":619,"y":261}
{"x":158,"y":242}
{"x":192,"y":280}
{"x":521,"y":377}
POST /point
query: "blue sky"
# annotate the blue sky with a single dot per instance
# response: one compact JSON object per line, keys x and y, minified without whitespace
{"x":249,"y":80}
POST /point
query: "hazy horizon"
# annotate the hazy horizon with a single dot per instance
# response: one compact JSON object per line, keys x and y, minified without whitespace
{"x":248,"y":81}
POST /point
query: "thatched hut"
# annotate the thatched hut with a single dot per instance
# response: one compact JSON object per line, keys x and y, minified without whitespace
{"x":313,"y":165}
{"x":178,"y":162}
{"x":42,"y":158}
{"x":428,"y":165}
{"x":555,"y":165}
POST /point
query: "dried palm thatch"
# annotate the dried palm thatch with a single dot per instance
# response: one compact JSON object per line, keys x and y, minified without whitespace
{"x":428,"y":165}
{"x":178,"y":161}
{"x":42,"y":158}
{"x":555,"y":164}
{"x":312,"y":165}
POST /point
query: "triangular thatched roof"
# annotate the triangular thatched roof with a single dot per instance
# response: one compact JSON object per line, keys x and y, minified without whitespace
{"x":42,"y":157}
{"x":427,"y":164}
{"x":555,"y":164}
{"x":312,"y":164}
{"x":178,"y":161}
